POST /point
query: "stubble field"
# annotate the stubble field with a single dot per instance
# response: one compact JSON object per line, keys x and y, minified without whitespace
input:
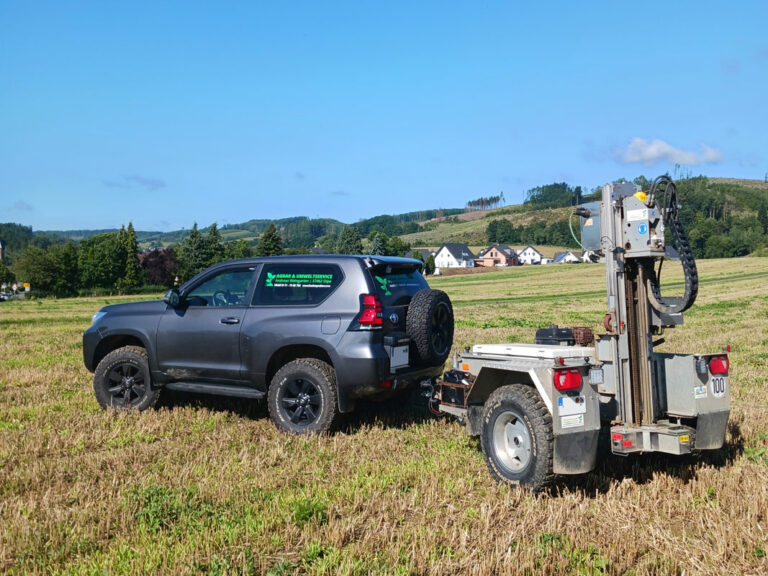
{"x":203,"y":485}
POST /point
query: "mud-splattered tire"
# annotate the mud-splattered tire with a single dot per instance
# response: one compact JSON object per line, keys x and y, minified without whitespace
{"x":429,"y":324}
{"x":517,"y":438}
{"x":302,"y":397}
{"x":122,"y":380}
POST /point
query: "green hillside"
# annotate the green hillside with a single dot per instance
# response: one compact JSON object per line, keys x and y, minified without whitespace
{"x":724,"y":217}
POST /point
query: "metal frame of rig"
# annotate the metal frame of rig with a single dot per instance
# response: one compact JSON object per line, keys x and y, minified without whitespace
{"x":540,"y":408}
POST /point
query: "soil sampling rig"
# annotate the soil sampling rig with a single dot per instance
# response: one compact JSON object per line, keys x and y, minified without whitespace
{"x":540,"y":408}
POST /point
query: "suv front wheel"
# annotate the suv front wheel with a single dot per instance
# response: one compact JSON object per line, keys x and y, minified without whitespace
{"x":122,"y":380}
{"x":302,"y":397}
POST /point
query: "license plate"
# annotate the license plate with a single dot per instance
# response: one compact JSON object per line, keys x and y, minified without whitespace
{"x":398,"y":356}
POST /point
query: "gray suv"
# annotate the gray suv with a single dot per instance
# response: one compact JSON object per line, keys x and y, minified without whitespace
{"x":311,"y":334}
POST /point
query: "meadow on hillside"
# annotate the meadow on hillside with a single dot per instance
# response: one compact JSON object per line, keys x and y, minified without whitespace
{"x":205,"y":485}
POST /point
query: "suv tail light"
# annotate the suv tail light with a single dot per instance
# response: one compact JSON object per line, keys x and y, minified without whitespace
{"x":371,"y":314}
{"x":567,"y":379}
{"x":719,"y":364}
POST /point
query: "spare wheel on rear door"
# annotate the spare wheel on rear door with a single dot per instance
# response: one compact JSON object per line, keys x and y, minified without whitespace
{"x":430,"y":325}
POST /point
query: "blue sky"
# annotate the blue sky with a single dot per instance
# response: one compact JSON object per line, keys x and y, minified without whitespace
{"x":169,"y":113}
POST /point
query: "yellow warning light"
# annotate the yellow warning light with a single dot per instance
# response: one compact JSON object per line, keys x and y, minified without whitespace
{"x":684,"y":439}
{"x":642,"y":196}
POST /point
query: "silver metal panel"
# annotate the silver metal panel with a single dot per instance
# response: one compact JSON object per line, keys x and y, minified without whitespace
{"x":590,"y":227}
{"x":689,"y":393}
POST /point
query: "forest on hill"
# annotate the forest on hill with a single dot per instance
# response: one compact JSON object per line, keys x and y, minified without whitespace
{"x":723,"y":218}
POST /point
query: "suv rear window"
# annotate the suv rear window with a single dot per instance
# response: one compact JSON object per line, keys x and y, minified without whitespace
{"x":396,"y":287}
{"x":296,"y":284}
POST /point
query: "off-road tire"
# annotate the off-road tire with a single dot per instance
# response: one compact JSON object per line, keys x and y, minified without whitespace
{"x":429,"y":324}
{"x":512,"y":416}
{"x":122,"y":380}
{"x":314,"y":379}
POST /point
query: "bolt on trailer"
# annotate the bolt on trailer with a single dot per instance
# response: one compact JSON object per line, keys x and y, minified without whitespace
{"x":540,"y":408}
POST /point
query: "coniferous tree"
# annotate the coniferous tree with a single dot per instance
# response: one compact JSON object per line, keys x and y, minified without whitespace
{"x":270,"y":243}
{"x":349,"y":241}
{"x":192,"y":254}
{"x":129,"y":247}
{"x":429,"y":265}
{"x":379,"y":245}
{"x":214,"y":248}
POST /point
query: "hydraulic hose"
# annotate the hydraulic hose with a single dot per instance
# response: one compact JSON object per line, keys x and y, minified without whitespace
{"x":669,"y":209}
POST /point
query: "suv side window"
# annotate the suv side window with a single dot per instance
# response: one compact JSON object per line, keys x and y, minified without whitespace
{"x":296,"y":284}
{"x":227,"y":288}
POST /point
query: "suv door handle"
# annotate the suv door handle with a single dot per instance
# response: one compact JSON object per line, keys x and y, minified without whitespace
{"x":230,"y":320}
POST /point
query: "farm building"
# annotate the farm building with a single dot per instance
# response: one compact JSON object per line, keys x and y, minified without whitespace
{"x":497,"y":255}
{"x":454,"y":256}
{"x":529,"y":255}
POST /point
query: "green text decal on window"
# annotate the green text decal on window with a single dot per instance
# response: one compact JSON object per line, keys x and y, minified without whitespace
{"x":285,"y":279}
{"x":296,"y":284}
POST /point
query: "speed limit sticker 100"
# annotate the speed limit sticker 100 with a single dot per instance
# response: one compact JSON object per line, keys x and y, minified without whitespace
{"x":718,"y":384}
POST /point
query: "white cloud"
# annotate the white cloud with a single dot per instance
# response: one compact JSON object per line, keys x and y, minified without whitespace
{"x":641,"y":151}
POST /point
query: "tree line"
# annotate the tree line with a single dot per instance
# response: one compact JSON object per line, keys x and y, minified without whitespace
{"x":111,"y":262}
{"x":486,"y":202}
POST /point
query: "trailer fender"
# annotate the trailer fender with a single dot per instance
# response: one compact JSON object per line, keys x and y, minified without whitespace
{"x":488,"y":380}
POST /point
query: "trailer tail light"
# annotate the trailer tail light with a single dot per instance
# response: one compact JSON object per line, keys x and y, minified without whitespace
{"x":719,"y":365}
{"x":371,"y":314}
{"x":568,"y":379}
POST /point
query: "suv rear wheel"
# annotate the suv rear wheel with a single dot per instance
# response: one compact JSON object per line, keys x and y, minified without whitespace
{"x":302,"y":397}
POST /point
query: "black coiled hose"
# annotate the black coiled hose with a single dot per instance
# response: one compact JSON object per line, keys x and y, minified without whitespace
{"x":680,"y":238}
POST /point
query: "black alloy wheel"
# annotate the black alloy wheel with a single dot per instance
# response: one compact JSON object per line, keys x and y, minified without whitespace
{"x":300,"y":401}
{"x":122,"y":380}
{"x":441,"y":333}
{"x":302,"y":397}
{"x":127,"y":385}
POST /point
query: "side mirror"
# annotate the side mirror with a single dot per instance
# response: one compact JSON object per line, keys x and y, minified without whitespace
{"x":172,"y":298}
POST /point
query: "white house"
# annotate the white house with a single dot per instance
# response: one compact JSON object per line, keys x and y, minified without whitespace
{"x":454,"y":256}
{"x":529,"y":255}
{"x":566,"y":258}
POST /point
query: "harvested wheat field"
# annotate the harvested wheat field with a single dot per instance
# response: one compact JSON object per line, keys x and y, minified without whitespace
{"x":205,"y":485}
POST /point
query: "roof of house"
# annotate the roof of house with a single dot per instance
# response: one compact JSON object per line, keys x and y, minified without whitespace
{"x":459,"y":251}
{"x":506,"y":250}
{"x":532,"y":248}
{"x":560,"y":256}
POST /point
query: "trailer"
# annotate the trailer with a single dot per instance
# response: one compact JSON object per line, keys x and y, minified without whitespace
{"x":541,"y":408}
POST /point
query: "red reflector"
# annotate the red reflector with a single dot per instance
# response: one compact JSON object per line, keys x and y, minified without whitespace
{"x":627,"y":444}
{"x":371,"y":312}
{"x":567,"y":379}
{"x":616,"y":436}
{"x":386,"y":384}
{"x":718,"y":364}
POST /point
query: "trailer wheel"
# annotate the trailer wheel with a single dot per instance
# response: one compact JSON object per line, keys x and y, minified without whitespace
{"x":517,"y":438}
